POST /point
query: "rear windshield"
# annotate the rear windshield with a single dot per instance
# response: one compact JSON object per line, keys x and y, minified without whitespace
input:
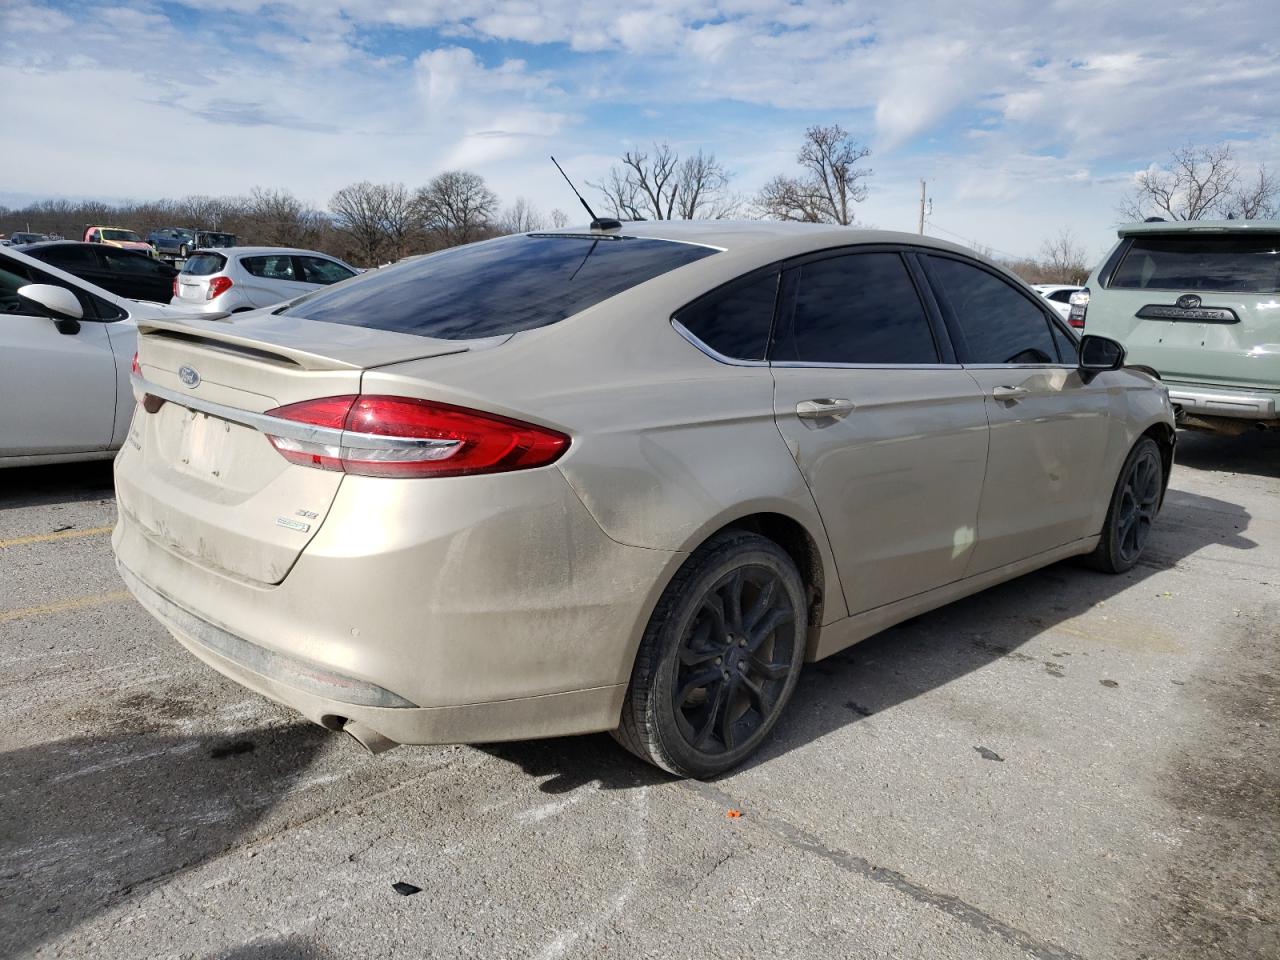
{"x":203,"y":264}
{"x":1236,"y":264}
{"x":496,"y":288}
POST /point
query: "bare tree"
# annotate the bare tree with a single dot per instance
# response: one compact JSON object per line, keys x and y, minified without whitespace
{"x":1256,"y":199}
{"x":457,"y":206}
{"x":559,"y":219}
{"x":1062,"y":259}
{"x":277,"y":218}
{"x":359,"y":211}
{"x":522,"y":217}
{"x":658,"y":185}
{"x":1200,"y":182}
{"x":830,"y":183}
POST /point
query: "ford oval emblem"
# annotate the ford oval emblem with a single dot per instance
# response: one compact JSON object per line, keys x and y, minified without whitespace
{"x":1188,"y":301}
{"x":188,"y":376}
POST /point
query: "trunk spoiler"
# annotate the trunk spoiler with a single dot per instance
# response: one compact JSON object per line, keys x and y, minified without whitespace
{"x":309,"y":344}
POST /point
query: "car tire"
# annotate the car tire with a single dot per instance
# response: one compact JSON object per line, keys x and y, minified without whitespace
{"x":1135,"y":501}
{"x":719,"y":658}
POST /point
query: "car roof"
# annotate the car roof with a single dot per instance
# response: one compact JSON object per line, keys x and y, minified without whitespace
{"x":1199,"y":226}
{"x":258,"y":251}
{"x":45,"y":244}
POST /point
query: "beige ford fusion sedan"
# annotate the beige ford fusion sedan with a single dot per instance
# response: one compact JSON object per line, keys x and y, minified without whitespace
{"x":624,"y":478}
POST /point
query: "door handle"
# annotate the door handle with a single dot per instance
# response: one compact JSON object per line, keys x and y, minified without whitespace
{"x":1011,"y":394}
{"x":824,"y":408}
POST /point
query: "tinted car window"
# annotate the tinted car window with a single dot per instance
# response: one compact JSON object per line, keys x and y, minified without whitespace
{"x":121,"y":261}
{"x":275,"y":266}
{"x":997,"y":322}
{"x":1060,"y":296}
{"x":498,"y":287}
{"x":70,"y":257}
{"x":1239,"y":264}
{"x":735,"y":320}
{"x":204,"y":264}
{"x":1068,"y":347}
{"x":14,"y":274}
{"x":861,"y":308}
{"x":319,"y":270}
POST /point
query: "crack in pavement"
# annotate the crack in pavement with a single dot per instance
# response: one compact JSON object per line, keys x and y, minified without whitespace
{"x":966,"y":913}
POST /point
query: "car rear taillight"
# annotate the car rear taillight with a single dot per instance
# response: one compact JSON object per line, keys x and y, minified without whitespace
{"x":135,"y":368}
{"x":1079,"y":307}
{"x":218,"y":286}
{"x":404,"y":437}
{"x":175,"y":286}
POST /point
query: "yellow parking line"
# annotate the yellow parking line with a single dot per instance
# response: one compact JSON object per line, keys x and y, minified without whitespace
{"x":76,"y":603}
{"x":60,"y":535}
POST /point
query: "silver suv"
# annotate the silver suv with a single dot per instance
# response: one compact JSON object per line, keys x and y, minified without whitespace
{"x":1198,"y":304}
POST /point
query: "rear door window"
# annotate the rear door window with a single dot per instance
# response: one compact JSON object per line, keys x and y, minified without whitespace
{"x":275,"y":266}
{"x":322,"y":271}
{"x":72,"y":258}
{"x":1234,"y":264}
{"x":498,"y":287}
{"x":861,"y":308}
{"x":998,"y":323}
{"x":204,"y":264}
{"x":735,"y":320}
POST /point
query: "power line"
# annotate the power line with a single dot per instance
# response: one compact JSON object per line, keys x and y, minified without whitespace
{"x":974,"y":243}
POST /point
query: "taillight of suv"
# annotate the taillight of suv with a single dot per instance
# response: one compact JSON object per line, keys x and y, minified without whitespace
{"x":1079,"y":307}
{"x":218,"y":286}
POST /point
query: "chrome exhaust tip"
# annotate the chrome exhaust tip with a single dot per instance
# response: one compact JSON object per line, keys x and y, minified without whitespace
{"x":368,"y":738}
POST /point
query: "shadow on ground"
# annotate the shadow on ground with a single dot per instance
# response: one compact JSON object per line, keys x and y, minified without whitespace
{"x":87,"y":822}
{"x":1254,"y":453}
{"x":58,"y":483}
{"x":920,"y":655}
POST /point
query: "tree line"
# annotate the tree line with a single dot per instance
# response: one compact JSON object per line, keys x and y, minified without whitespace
{"x":369,"y":223}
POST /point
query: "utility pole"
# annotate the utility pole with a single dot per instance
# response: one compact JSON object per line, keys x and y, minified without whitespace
{"x":921,"y":230}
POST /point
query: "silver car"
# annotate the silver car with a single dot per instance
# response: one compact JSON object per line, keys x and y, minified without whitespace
{"x":621,"y":479}
{"x":237,"y":279}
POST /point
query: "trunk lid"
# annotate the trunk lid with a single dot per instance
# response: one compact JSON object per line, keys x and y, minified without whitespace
{"x":212,"y":488}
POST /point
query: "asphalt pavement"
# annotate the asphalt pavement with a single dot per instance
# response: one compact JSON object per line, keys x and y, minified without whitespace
{"x":1071,"y":765}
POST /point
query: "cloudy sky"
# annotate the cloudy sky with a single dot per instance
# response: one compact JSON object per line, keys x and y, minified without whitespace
{"x":1025,"y":116}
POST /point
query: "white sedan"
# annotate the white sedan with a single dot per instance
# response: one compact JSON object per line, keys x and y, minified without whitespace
{"x":1058,"y":295}
{"x":66,"y":347}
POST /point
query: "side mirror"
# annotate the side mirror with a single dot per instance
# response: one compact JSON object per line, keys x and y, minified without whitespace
{"x":1098,"y":354}
{"x":63,"y":305}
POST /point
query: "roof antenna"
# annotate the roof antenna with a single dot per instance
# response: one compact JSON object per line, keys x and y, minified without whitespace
{"x":596,"y":222}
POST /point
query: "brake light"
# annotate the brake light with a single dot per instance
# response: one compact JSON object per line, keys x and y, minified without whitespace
{"x":135,"y":368}
{"x":1079,"y":307}
{"x":218,"y":286}
{"x":379,"y":436}
{"x":175,"y":286}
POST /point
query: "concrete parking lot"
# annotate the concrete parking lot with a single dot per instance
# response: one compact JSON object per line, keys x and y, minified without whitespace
{"x":1070,"y":765}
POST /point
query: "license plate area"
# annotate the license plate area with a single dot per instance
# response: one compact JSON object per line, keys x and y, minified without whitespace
{"x":203,"y":444}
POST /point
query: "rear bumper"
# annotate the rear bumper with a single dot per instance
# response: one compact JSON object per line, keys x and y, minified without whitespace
{"x":488,"y":609}
{"x":1224,"y":401}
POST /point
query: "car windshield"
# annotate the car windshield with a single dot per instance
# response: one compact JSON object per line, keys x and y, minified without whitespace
{"x":120,"y":235}
{"x":1233,"y":263}
{"x":496,"y":288}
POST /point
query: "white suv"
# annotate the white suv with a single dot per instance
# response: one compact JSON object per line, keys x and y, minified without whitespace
{"x":245,"y":278}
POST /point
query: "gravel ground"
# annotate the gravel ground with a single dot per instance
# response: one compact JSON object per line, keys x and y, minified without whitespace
{"x":1070,"y":765}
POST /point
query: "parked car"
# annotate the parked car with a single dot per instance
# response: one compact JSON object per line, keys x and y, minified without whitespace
{"x":1196,"y":303}
{"x":175,"y":241}
{"x":65,"y":352}
{"x":210,"y":238}
{"x":23,"y":237}
{"x":245,"y":278}
{"x":1058,"y":295}
{"x":126,"y":273}
{"x":117,"y":237}
{"x":625,"y":479}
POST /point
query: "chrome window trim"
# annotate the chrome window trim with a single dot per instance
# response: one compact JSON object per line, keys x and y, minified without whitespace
{"x":1021,"y":366}
{"x":711,"y":352}
{"x":821,"y":365}
{"x":291,"y":429}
